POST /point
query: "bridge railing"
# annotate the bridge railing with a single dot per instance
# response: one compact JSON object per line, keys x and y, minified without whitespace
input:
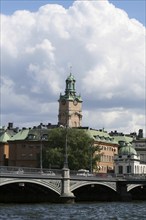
{"x":135,"y":176}
{"x":12,"y":170}
{"x":112,"y":175}
{"x":29,"y":171}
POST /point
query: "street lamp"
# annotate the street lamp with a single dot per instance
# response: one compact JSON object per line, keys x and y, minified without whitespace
{"x":66,"y":143}
{"x":66,"y":146}
{"x":91,"y":158}
{"x":41,"y":150}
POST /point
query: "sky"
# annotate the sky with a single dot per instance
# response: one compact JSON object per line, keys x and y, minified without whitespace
{"x":103,"y":41}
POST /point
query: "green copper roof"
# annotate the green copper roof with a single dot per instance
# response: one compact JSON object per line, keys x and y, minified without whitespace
{"x":101,"y":136}
{"x":30,"y":135}
{"x":123,"y":138}
{"x":127,"y":150}
{"x":70,"y":91}
{"x":21,"y":135}
{"x":4,"y":137}
{"x":71,"y":97}
{"x":70,"y":78}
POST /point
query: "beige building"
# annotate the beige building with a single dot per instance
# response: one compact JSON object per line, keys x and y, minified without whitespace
{"x":4,"y":148}
{"x":108,"y":149}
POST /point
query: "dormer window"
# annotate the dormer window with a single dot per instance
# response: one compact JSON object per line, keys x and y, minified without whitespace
{"x":31,"y":137}
{"x":44,"y":137}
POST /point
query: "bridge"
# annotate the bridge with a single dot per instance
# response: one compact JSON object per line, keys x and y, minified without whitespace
{"x":31,"y":185}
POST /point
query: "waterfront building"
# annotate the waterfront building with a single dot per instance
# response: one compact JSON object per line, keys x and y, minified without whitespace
{"x":108,"y":148}
{"x":127,"y":161}
{"x":4,"y":148}
{"x":140,"y":145}
{"x":25,"y":148}
{"x":5,"y":134}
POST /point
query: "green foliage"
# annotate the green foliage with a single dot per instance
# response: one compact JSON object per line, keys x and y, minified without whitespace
{"x":79,"y":149}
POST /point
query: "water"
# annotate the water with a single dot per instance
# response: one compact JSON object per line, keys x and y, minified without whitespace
{"x":77,"y":211}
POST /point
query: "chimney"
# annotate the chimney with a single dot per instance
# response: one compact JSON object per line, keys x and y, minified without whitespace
{"x":140,"y":133}
{"x":10,"y":125}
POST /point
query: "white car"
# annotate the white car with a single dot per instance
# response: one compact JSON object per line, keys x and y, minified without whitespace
{"x":19,"y":171}
{"x":83,"y":172}
{"x":49,"y":173}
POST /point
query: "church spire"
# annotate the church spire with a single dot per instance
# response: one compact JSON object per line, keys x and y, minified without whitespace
{"x":70,"y":86}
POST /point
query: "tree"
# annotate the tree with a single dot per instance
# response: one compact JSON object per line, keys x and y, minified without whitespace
{"x":78,"y":148}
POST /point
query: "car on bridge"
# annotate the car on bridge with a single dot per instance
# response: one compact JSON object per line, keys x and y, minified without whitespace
{"x":48,"y":173}
{"x":83,"y":172}
{"x":19,"y":171}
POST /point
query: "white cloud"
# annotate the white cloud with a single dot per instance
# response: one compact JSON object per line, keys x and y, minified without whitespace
{"x":105,"y":49}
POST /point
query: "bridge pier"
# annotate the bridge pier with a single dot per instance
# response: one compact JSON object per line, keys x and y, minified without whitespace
{"x":66,"y":195}
{"x":124,"y":195}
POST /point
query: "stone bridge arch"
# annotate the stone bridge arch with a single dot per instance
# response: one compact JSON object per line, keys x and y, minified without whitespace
{"x":132,"y":186}
{"x":76,"y":185}
{"x":54,"y":185}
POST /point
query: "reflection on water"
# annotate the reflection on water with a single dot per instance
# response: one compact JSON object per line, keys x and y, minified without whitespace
{"x":77,"y":211}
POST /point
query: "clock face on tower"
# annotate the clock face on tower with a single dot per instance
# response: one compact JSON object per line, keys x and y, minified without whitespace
{"x":75,"y":102}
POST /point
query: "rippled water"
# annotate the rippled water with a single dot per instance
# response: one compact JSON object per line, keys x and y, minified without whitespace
{"x":79,"y":211}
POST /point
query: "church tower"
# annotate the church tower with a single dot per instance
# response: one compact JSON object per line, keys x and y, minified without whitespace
{"x":70,"y":105}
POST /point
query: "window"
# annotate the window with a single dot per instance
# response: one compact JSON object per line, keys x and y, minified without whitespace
{"x":128,"y":169}
{"x":31,"y":137}
{"x":44,"y":137}
{"x":120,"y":170}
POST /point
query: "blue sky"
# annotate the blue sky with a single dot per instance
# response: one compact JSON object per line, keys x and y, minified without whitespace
{"x":134,"y":8}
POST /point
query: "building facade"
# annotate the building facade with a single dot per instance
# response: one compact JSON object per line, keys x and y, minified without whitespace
{"x":140,"y":145}
{"x":5,"y":134}
{"x":4,"y":149}
{"x":127,"y":161}
{"x":108,"y":148}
